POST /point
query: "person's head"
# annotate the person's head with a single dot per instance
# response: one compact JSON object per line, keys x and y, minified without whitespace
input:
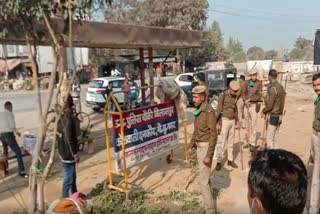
{"x":110,"y":84}
{"x":253,"y":74}
{"x":126,"y":81}
{"x":199,"y":95}
{"x":242,"y":78}
{"x":277,"y":183}
{"x":234,"y":87}
{"x":273,"y":74}
{"x":201,"y":79}
{"x":316,"y":83}
{"x":8,"y":106}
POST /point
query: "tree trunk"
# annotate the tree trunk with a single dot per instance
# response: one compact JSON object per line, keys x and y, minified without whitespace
{"x":37,"y":180}
{"x":36,"y":205}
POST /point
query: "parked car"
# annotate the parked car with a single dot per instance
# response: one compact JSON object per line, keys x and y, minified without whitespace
{"x":216,"y":80}
{"x":97,"y":87}
{"x":185,"y":81}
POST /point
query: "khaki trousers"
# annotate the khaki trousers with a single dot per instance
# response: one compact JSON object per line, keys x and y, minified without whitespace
{"x":251,"y":117}
{"x":315,"y":184}
{"x":272,"y":137}
{"x":240,"y":107}
{"x":204,"y":175}
{"x":227,"y":136}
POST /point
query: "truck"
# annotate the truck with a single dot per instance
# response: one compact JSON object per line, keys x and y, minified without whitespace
{"x":217,"y":82}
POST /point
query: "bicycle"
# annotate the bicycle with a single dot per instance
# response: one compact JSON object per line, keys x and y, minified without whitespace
{"x":84,"y":127}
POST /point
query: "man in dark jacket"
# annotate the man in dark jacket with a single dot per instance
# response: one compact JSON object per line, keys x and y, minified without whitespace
{"x":68,"y":148}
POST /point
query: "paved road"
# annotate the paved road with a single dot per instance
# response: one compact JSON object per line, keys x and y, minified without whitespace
{"x":25,"y":101}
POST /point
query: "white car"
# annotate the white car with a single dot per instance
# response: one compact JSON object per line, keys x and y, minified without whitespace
{"x":185,"y":79}
{"x":97,"y":88}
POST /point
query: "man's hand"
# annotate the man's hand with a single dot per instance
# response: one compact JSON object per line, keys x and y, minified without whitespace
{"x":190,"y":152}
{"x":18,"y":134}
{"x":247,"y":103}
{"x":207,"y":161}
{"x":77,"y":158}
{"x":218,"y":128}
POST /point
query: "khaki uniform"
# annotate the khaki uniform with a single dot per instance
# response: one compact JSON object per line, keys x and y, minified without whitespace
{"x":315,"y":148}
{"x":204,"y":139}
{"x":227,"y":110}
{"x":240,"y":105}
{"x":251,"y":113}
{"x":274,"y":108}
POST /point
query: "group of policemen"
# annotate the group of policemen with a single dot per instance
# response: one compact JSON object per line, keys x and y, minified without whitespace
{"x":238,"y":107}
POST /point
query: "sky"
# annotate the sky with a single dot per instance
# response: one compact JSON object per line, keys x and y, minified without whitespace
{"x":272,"y":24}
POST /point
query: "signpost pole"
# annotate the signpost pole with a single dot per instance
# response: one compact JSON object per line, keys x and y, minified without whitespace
{"x":123,"y":152}
{"x":151,"y":82}
{"x":142,"y":76}
{"x":106,"y":112}
{"x":185,"y":140}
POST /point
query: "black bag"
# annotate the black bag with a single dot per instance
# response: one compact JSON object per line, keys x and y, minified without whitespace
{"x":274,"y":119}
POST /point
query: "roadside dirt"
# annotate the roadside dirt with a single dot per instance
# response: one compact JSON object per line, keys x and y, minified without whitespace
{"x":157,"y":177}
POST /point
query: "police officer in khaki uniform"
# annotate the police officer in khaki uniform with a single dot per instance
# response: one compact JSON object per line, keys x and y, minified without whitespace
{"x":240,"y":102}
{"x":274,"y":108}
{"x":227,"y":115}
{"x":204,"y":139}
{"x":315,"y":148}
{"x":251,"y":97}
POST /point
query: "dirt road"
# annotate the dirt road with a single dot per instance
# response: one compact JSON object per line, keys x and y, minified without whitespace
{"x":158,"y":177}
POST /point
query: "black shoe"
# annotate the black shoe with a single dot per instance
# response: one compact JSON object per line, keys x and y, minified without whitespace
{"x":246,"y":146}
{"x":252,"y":148}
{"x":218,"y":167}
{"x":24,"y":175}
{"x":232,"y":164}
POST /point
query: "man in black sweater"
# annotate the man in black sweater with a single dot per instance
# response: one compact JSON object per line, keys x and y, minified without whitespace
{"x":68,"y":148}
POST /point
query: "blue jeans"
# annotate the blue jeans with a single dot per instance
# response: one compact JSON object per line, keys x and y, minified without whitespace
{"x":69,"y":179}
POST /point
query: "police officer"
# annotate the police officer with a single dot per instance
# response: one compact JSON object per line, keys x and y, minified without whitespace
{"x":240,"y":103}
{"x":251,"y":97}
{"x":227,"y":115}
{"x":204,"y":139}
{"x":315,"y":147}
{"x":274,"y":108}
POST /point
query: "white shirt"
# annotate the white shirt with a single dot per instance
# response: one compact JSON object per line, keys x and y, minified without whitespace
{"x":115,"y":72}
{"x":7,"y":122}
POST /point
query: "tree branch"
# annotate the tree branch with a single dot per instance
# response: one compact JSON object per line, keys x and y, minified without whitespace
{"x":57,"y":60}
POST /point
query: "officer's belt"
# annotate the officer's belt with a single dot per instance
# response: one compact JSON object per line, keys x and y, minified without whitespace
{"x":202,"y":144}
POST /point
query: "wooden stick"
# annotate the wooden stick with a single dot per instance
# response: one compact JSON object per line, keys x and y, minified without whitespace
{"x":192,"y":177}
{"x":264,"y":130}
{"x":241,"y":150}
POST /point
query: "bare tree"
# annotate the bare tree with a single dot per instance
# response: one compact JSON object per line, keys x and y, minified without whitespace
{"x":24,"y":17}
